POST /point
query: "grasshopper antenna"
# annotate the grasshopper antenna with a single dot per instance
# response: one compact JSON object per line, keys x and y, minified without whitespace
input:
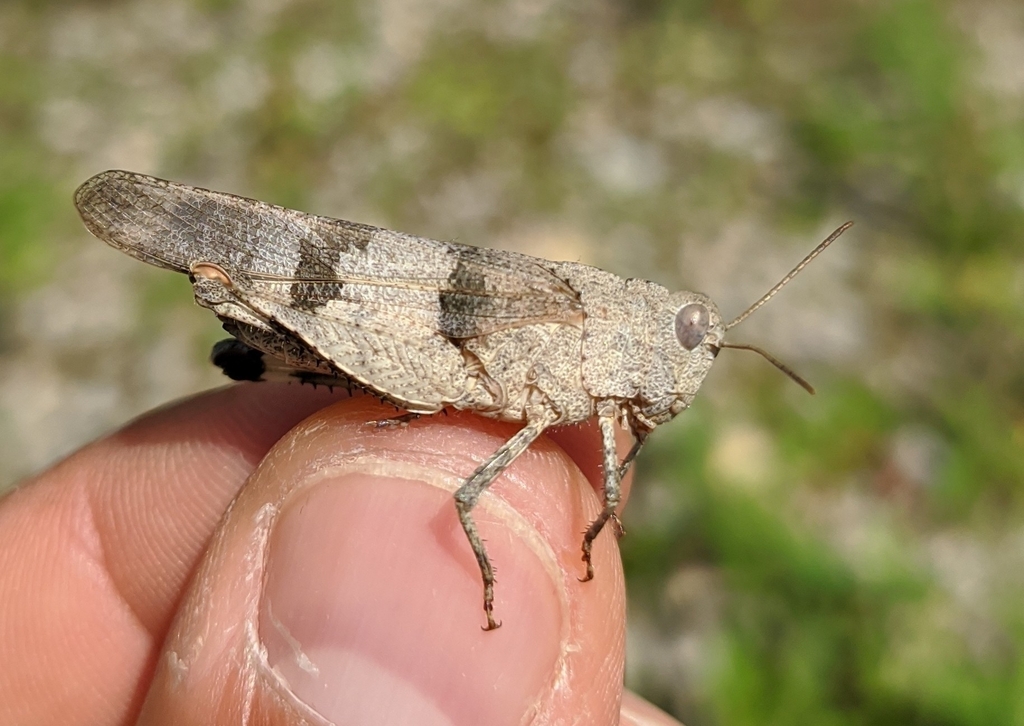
{"x":798,"y":379}
{"x":769,"y":295}
{"x":792,"y":273}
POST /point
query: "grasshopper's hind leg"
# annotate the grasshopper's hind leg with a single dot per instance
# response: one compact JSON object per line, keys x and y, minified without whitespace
{"x":469,"y":493}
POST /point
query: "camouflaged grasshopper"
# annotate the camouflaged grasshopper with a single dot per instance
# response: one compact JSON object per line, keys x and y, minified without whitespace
{"x":426,"y":324}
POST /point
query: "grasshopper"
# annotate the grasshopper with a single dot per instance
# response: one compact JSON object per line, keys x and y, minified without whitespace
{"x":428,"y":325}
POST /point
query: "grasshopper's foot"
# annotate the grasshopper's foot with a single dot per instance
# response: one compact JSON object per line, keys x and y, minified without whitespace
{"x":587,"y":543}
{"x":389,"y":423}
{"x":492,"y":624}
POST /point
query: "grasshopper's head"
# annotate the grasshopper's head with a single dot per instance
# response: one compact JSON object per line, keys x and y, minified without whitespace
{"x":688,"y":336}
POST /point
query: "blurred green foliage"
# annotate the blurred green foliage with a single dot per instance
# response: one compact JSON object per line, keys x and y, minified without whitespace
{"x":827,"y":592}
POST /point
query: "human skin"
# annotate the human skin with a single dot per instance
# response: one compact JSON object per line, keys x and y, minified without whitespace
{"x":259,"y":554}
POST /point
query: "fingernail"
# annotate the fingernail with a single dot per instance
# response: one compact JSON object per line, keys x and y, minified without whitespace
{"x":372,"y":605}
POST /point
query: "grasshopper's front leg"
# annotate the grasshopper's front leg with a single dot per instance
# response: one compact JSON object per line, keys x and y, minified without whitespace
{"x":469,"y":493}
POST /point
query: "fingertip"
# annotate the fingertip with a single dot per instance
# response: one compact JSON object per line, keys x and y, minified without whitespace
{"x":371,"y":602}
{"x":368,"y":565}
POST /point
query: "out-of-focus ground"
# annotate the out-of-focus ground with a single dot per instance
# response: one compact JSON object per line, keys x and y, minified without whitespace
{"x":856,"y":557}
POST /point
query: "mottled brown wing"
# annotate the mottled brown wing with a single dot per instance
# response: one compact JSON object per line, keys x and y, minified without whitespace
{"x":307,"y":261}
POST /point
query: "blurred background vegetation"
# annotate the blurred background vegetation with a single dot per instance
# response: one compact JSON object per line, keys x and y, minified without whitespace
{"x":852,"y":558}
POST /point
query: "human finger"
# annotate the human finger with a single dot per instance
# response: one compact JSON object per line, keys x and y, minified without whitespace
{"x":340,"y":587}
{"x":95,"y":552}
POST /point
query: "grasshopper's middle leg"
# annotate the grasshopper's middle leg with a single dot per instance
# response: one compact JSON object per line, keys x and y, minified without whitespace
{"x":613,"y":473}
{"x":467,"y":495}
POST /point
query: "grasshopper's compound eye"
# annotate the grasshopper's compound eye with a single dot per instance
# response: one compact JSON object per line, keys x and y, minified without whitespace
{"x":692,"y":323}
